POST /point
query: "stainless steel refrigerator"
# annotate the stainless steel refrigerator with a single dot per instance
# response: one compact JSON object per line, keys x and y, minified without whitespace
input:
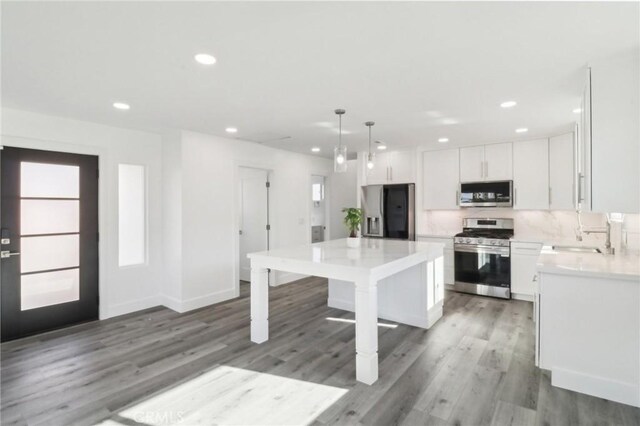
{"x":389,"y":211}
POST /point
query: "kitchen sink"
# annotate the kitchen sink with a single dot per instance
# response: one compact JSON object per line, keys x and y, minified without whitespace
{"x":576,"y":249}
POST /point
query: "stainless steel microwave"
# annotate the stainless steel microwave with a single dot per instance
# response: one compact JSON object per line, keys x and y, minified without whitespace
{"x":487,"y":194}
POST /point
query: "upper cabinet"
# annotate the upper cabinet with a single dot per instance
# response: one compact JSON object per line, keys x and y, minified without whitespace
{"x":562,"y":186}
{"x":393,"y":167}
{"x":486,"y":163}
{"x":440,"y":179}
{"x":531,"y":175}
{"x":614,"y":107}
{"x":472,"y":164}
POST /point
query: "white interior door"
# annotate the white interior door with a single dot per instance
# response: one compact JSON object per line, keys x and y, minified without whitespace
{"x":253,"y":216}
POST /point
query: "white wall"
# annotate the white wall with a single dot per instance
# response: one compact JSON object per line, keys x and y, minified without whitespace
{"x":343,"y":193}
{"x":125,"y":289}
{"x":209,"y":221}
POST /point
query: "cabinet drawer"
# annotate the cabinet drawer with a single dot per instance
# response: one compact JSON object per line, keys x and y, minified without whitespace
{"x":525,"y":248}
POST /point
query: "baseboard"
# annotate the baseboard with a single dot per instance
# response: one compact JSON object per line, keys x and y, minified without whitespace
{"x":182,"y":306}
{"x":433,"y":315}
{"x":601,"y":387}
{"x":525,"y":297}
{"x":132,"y":306}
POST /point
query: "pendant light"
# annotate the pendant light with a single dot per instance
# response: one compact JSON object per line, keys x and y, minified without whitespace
{"x":340,"y":151}
{"x":370,"y":155}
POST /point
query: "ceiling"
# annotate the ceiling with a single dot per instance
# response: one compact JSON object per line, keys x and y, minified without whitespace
{"x":421,"y":71}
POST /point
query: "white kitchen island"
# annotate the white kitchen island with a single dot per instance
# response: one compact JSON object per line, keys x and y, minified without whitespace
{"x":407,"y":277}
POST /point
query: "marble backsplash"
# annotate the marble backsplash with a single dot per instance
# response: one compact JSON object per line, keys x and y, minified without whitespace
{"x":538,"y":224}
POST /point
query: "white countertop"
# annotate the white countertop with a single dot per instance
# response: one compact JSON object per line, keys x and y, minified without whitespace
{"x":372,"y":253}
{"x":626,"y":267}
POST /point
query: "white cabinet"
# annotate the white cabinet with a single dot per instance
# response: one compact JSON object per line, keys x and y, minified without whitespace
{"x":524,"y":256}
{"x":531,"y":175}
{"x":380,"y":172}
{"x":402,"y":167}
{"x":561,"y":172}
{"x":498,"y":161}
{"x":615,"y":134}
{"x":393,"y":167}
{"x":486,"y":162}
{"x":449,"y":274}
{"x":472,"y":164}
{"x":440,"y":179}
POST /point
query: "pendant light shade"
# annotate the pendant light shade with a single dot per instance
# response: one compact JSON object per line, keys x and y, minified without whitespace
{"x":340,"y":151}
{"x":370,"y":156}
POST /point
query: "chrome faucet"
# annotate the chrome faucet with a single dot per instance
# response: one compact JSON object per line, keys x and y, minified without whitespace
{"x":606,"y":230}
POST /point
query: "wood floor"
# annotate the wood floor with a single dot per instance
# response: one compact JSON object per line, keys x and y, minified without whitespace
{"x":474,"y":367}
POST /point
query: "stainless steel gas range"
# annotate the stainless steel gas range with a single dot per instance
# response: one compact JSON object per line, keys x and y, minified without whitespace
{"x":483,"y":257}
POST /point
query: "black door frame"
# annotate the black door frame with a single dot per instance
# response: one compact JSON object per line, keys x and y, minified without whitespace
{"x":24,"y":323}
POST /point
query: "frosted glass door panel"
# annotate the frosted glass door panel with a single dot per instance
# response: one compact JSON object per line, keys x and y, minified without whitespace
{"x":49,"y":216}
{"x":49,"y":288}
{"x":51,"y":252}
{"x":49,"y":180}
{"x":131,"y":215}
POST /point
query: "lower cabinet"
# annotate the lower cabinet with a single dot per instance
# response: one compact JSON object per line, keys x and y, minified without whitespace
{"x":524,"y":257}
{"x":449,"y":274}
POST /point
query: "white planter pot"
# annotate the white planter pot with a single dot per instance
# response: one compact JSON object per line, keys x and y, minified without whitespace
{"x":353,"y":242}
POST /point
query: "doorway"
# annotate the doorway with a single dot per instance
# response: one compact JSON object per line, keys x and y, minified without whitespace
{"x":318,"y":209}
{"x":49,"y":240}
{"x":254,"y":216}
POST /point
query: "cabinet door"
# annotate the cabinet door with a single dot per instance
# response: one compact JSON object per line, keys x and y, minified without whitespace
{"x":498,"y":161}
{"x":523,"y":269}
{"x":380,"y":173}
{"x":472,"y":164}
{"x":402,"y":167}
{"x":561,"y":172}
{"x":440,"y":181}
{"x":531,"y":175}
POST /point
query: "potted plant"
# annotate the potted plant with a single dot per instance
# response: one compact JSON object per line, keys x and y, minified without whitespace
{"x":353,"y":220}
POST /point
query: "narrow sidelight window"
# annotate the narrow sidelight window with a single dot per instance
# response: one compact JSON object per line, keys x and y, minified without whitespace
{"x":132,"y":215}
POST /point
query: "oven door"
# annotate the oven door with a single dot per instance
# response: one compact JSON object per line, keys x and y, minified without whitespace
{"x":483,"y":270}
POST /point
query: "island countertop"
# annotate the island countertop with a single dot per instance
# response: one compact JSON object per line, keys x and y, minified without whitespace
{"x":372,"y":253}
{"x":621,"y":266}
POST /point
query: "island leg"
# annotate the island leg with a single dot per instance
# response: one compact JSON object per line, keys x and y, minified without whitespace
{"x":259,"y":304}
{"x":366,"y":331}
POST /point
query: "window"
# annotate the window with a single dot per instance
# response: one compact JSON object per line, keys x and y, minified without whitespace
{"x":317,"y":192}
{"x":132,"y":235}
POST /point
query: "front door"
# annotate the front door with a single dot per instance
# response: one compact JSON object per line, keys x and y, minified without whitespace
{"x":49,"y":240}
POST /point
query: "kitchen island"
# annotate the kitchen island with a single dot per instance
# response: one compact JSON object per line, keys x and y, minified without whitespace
{"x":407,"y":275}
{"x":588,"y":323}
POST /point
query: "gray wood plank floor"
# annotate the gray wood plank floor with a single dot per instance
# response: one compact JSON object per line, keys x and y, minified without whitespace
{"x":474,"y":367}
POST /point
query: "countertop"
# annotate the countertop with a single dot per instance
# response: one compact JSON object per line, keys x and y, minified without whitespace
{"x":372,"y":253}
{"x":620,"y":266}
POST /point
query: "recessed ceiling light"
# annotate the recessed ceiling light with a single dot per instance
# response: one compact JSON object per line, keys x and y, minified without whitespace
{"x":577,"y":110}
{"x":382,"y":147}
{"x":315,"y":149}
{"x":121,"y":105}
{"x":231,"y":130}
{"x":522,"y":130}
{"x":443,"y":140}
{"x":508,"y":104}
{"x":205,"y":59}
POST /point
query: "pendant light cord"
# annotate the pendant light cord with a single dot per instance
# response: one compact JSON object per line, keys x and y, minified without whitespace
{"x":340,"y":131}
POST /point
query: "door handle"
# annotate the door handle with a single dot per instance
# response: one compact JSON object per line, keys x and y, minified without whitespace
{"x":6,"y":253}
